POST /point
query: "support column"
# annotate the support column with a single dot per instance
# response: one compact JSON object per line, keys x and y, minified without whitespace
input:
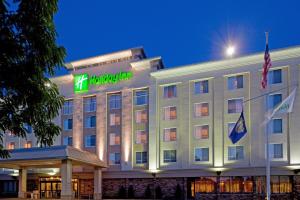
{"x":66,"y":179}
{"x":97,"y":184}
{"x":22,"y":183}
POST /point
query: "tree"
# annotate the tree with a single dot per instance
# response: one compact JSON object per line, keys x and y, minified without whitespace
{"x":148,"y":192}
{"x":130,"y":192}
{"x":122,"y":192}
{"x":28,"y":53}
{"x":178,"y":192}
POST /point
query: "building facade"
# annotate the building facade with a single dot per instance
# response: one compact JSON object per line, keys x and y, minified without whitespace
{"x":163,"y":133}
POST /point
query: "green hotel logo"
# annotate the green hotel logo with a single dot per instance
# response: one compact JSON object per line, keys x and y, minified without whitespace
{"x":82,"y":81}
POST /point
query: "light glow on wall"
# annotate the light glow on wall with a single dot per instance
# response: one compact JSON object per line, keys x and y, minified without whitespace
{"x":126,"y":146}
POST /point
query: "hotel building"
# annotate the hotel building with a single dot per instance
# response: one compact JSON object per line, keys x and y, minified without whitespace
{"x":132,"y":128}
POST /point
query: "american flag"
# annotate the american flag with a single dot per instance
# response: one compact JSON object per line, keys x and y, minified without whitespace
{"x":266,"y":67}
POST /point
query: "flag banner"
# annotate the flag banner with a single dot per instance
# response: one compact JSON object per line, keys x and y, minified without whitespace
{"x":266,"y":67}
{"x":239,"y":129}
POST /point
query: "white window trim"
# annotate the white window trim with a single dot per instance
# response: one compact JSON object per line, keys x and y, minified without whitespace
{"x":195,"y":109}
{"x":112,"y":164}
{"x":142,"y":158}
{"x":200,"y":126}
{"x":135,"y":113}
{"x":271,"y":145}
{"x":201,"y":161}
{"x":163,"y":112}
{"x":235,"y":151}
{"x":235,"y":98}
{"x":235,"y":75}
{"x":164,"y":134}
{"x":200,"y":80}
{"x":136,"y":131}
{"x":163,"y":156}
{"x":272,"y":131}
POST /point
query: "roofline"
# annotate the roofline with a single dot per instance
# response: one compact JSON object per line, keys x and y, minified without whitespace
{"x":257,"y":58}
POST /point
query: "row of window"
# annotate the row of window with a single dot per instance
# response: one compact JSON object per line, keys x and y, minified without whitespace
{"x":12,"y":145}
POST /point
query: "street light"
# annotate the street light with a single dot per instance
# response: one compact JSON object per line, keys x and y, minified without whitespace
{"x":230,"y":51}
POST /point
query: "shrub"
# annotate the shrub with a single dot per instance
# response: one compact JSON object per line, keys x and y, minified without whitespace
{"x":122,"y":192}
{"x":158,"y":192}
{"x":148,"y":192}
{"x":178,"y":192}
{"x":130,"y":192}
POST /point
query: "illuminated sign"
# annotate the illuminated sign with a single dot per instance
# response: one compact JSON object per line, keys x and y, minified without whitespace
{"x":82,"y":81}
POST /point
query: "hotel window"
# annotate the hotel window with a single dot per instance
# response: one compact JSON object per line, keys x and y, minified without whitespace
{"x":201,"y":87}
{"x":68,"y":141}
{"x":114,"y":158}
{"x":115,"y":119}
{"x":276,"y":126}
{"x":281,"y":184}
{"x":90,"y":122}
{"x":201,"y":109}
{"x":170,"y":91}
{"x":274,"y":76}
{"x":141,"y":116}
{"x":90,"y":140}
{"x":201,"y":132}
{"x":236,"y":184}
{"x":274,"y":100}
{"x":170,"y":134}
{"x":141,"y":98}
{"x":68,"y":107}
{"x":115,"y":101}
{"x":28,"y":144}
{"x":170,"y":113}
{"x":28,"y":128}
{"x":201,"y":154}
{"x":235,"y":153}
{"x":169,"y":156}
{"x":235,"y":105}
{"x":276,"y":151}
{"x":141,"y":137}
{"x":204,"y":185}
{"x":11,"y":145}
{"x":235,"y":82}
{"x":114,"y":139}
{"x":68,"y":124}
{"x":141,"y":157}
{"x":90,"y":104}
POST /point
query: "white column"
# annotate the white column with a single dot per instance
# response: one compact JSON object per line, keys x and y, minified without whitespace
{"x":97,"y":184}
{"x":22,"y":183}
{"x":66,"y":179}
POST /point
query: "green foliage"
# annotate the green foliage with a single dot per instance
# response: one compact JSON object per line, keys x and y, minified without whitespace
{"x":26,"y":94}
{"x":130,"y":192}
{"x":148,"y":192}
{"x":122,"y":192}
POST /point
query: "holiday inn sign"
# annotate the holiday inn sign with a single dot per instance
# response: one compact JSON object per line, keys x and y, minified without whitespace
{"x":83,"y":81}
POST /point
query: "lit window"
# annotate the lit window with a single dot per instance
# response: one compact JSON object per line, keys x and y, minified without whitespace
{"x":28,"y":144}
{"x":235,"y":153}
{"x":68,"y":141}
{"x":90,"y":141}
{"x":141,"y":157}
{"x":235,"y":82}
{"x":170,"y":113}
{"x":68,"y":124}
{"x":276,"y":151}
{"x":90,"y":104}
{"x":235,"y":105}
{"x":170,"y":91}
{"x":11,"y":145}
{"x":169,"y":156}
{"x":68,"y":107}
{"x":141,"y":97}
{"x":201,"y":132}
{"x":114,"y":139}
{"x":276,"y":126}
{"x":281,"y":184}
{"x":170,"y":134}
{"x":141,"y":116}
{"x":201,"y":154}
{"x":114,"y":158}
{"x":114,"y":119}
{"x":274,"y":100}
{"x":201,"y":109}
{"x":201,"y":87}
{"x":204,"y":185}
{"x":115,"y":101}
{"x":90,"y":122}
{"x":274,"y":76}
{"x":141,"y":137}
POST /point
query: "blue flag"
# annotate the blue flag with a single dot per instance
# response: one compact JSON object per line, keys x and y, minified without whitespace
{"x":239,"y":129}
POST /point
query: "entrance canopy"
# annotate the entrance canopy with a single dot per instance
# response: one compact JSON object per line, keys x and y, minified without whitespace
{"x":49,"y":157}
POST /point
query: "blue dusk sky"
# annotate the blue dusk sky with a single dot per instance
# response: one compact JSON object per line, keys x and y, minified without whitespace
{"x":182,"y":32}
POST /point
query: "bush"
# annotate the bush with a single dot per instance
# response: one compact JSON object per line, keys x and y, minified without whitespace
{"x":122,"y":192}
{"x":178,"y":192}
{"x":148,"y":192}
{"x":130,"y":192}
{"x":158,"y":192}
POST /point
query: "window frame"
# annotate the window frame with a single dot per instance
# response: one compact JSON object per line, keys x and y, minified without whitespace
{"x":201,"y":148}
{"x":169,"y":160}
{"x":201,"y":92}
{"x":85,"y":141}
{"x":238,"y":98}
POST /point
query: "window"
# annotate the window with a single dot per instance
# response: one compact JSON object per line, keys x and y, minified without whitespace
{"x":90,"y":140}
{"x":201,"y":109}
{"x":281,"y":184}
{"x":90,"y":122}
{"x":28,"y":144}
{"x":276,"y":151}
{"x":170,"y":91}
{"x":236,"y":184}
{"x":11,"y":145}
{"x":68,"y":107}
{"x":274,"y":100}
{"x":141,"y":98}
{"x":170,"y":113}
{"x":274,"y":76}
{"x":170,"y":134}
{"x":235,"y":82}
{"x":201,"y":132}
{"x":235,"y":153}
{"x":141,"y":137}
{"x":201,"y":154}
{"x":114,"y":139}
{"x":90,"y":104}
{"x":68,"y":124}
{"x":115,"y":101}
{"x":28,"y":128}
{"x":169,"y":156}
{"x":235,"y":105}
{"x":201,"y":87}
{"x":115,"y":119}
{"x":114,"y":158}
{"x":276,"y":126}
{"x":141,"y":157}
{"x":204,"y":185}
{"x":68,"y":140}
{"x":141,"y":116}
